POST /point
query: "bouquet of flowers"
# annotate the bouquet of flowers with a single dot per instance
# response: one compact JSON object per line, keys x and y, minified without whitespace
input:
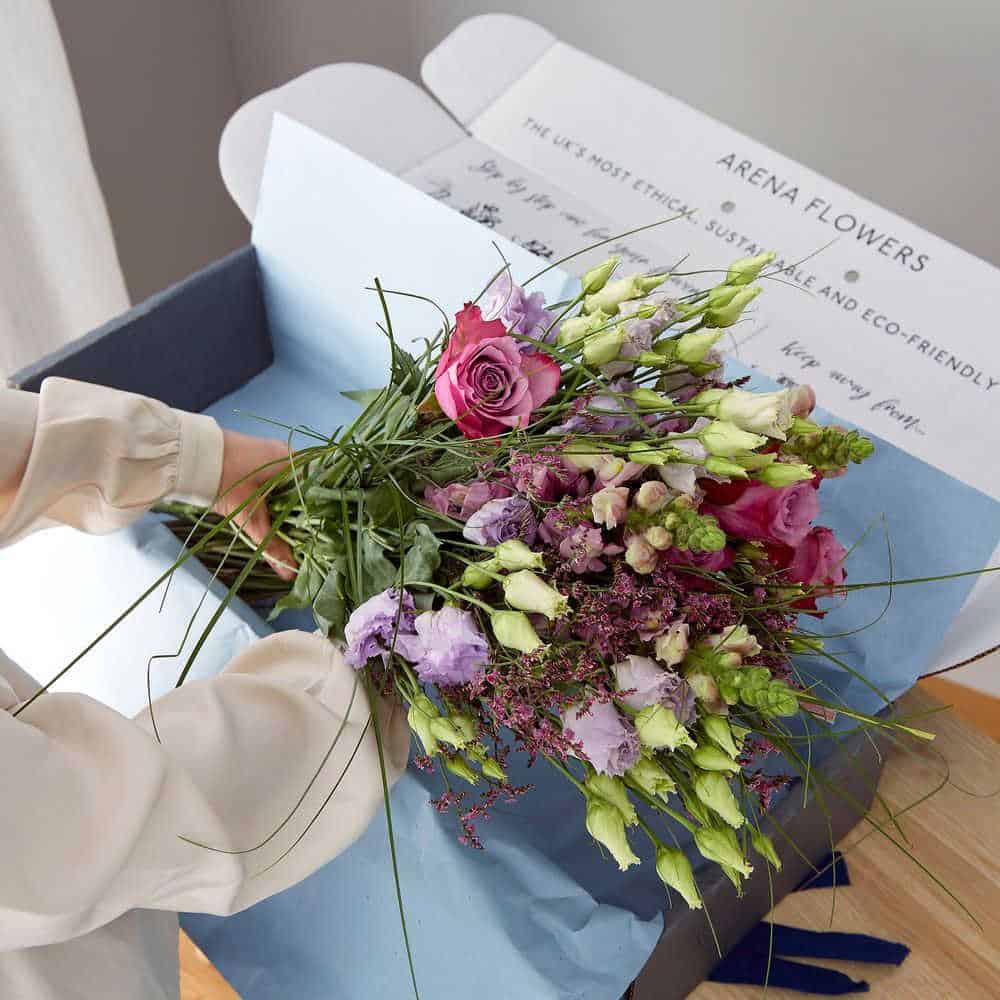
{"x":561,"y":531}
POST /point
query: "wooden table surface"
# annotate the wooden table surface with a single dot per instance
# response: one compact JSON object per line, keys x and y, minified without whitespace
{"x":956,"y":834}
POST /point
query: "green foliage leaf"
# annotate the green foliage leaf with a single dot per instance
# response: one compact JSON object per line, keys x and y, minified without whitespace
{"x":423,"y":557}
{"x":308,"y":582}
{"x":363,"y":396}
{"x":329,"y":608}
{"x":386,"y":505}
{"x":378,"y":572}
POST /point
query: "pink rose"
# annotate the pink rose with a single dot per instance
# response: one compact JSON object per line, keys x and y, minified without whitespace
{"x":484,"y":383}
{"x":817,"y":561}
{"x":760,"y":513}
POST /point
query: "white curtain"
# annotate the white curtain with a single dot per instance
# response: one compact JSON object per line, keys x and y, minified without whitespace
{"x":59,"y":272}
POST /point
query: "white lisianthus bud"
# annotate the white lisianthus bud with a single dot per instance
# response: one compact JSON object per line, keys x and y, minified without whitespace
{"x":736,"y":639}
{"x":459,"y":767}
{"x":597,"y":277}
{"x":713,"y":789}
{"x":613,"y":294}
{"x":658,"y":727}
{"x":648,"y":776}
{"x":672,"y":646}
{"x":764,"y":846}
{"x":727,"y":315}
{"x":577,"y":327}
{"x":514,"y":554}
{"x":606,"y":825}
{"x":725,"y":439}
{"x":613,"y":790}
{"x":514,"y":630}
{"x":422,"y":713}
{"x":658,"y":537}
{"x":719,"y":844}
{"x":779,"y":474}
{"x":479,"y":576}
{"x":603,"y":348}
{"x":640,"y":555}
{"x":768,"y":413}
{"x":692,"y":348}
{"x":610,"y":505}
{"x":711,"y":758}
{"x":527,"y":592}
{"x":676,"y":873}
{"x":457,"y":730}
{"x":717,"y":729}
{"x":652,"y":496}
{"x":745,"y":270}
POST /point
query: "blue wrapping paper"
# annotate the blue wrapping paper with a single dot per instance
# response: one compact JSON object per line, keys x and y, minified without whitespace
{"x":540,"y":913}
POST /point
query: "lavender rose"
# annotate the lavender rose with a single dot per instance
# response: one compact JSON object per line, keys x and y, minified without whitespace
{"x":501,"y":520}
{"x":373,"y":625}
{"x":609,"y":742}
{"x":450,"y":649}
{"x":462,"y":500}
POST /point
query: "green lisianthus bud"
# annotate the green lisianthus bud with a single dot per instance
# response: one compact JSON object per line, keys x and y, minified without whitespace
{"x":805,"y":644}
{"x":577,"y":327}
{"x":597,"y":277}
{"x":713,"y":789}
{"x":422,"y":713}
{"x":727,"y":315}
{"x":743,"y":271}
{"x":613,"y":790}
{"x":513,"y":555}
{"x":649,"y":401}
{"x":779,"y":474}
{"x":643,"y":453}
{"x":606,"y":825}
{"x":719,"y":844}
{"x":658,"y":727}
{"x":603,"y":348}
{"x":675,"y":872}
{"x":717,"y":729}
{"x":711,"y":758}
{"x":800,"y":425}
{"x":692,"y":348}
{"x":527,"y":592}
{"x":479,"y":576}
{"x":753,"y":460}
{"x":725,"y":439}
{"x":459,"y":767}
{"x":457,"y":730}
{"x":650,"y":778}
{"x":514,"y":630}
{"x":613,"y":294}
{"x":764,"y":846}
{"x":492,"y":769}
{"x":724,"y":467}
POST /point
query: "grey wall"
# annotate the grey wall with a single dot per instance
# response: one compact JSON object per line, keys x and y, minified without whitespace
{"x":897,"y":99}
{"x":156,"y":85}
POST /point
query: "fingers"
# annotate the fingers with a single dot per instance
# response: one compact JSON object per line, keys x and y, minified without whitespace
{"x":277,"y":553}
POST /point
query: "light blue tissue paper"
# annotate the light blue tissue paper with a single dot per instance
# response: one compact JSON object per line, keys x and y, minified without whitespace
{"x":541,"y":913}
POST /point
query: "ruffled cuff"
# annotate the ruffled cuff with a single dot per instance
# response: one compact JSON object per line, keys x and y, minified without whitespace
{"x":199,"y":462}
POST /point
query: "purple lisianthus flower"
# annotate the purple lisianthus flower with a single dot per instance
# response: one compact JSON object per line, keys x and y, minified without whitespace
{"x":609,"y":742}
{"x":370,"y":629}
{"x":582,"y":549}
{"x":450,"y":649}
{"x":545,"y":477}
{"x":639,"y":335}
{"x":501,"y":520}
{"x":650,"y":684}
{"x":603,"y":413}
{"x":462,"y":500}
{"x":519,"y":312}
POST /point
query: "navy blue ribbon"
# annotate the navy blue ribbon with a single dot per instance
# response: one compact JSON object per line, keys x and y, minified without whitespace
{"x":763,"y":955}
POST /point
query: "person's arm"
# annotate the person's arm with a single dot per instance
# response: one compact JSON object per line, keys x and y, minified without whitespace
{"x":98,"y":816}
{"x":98,"y":811}
{"x":96,"y":459}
